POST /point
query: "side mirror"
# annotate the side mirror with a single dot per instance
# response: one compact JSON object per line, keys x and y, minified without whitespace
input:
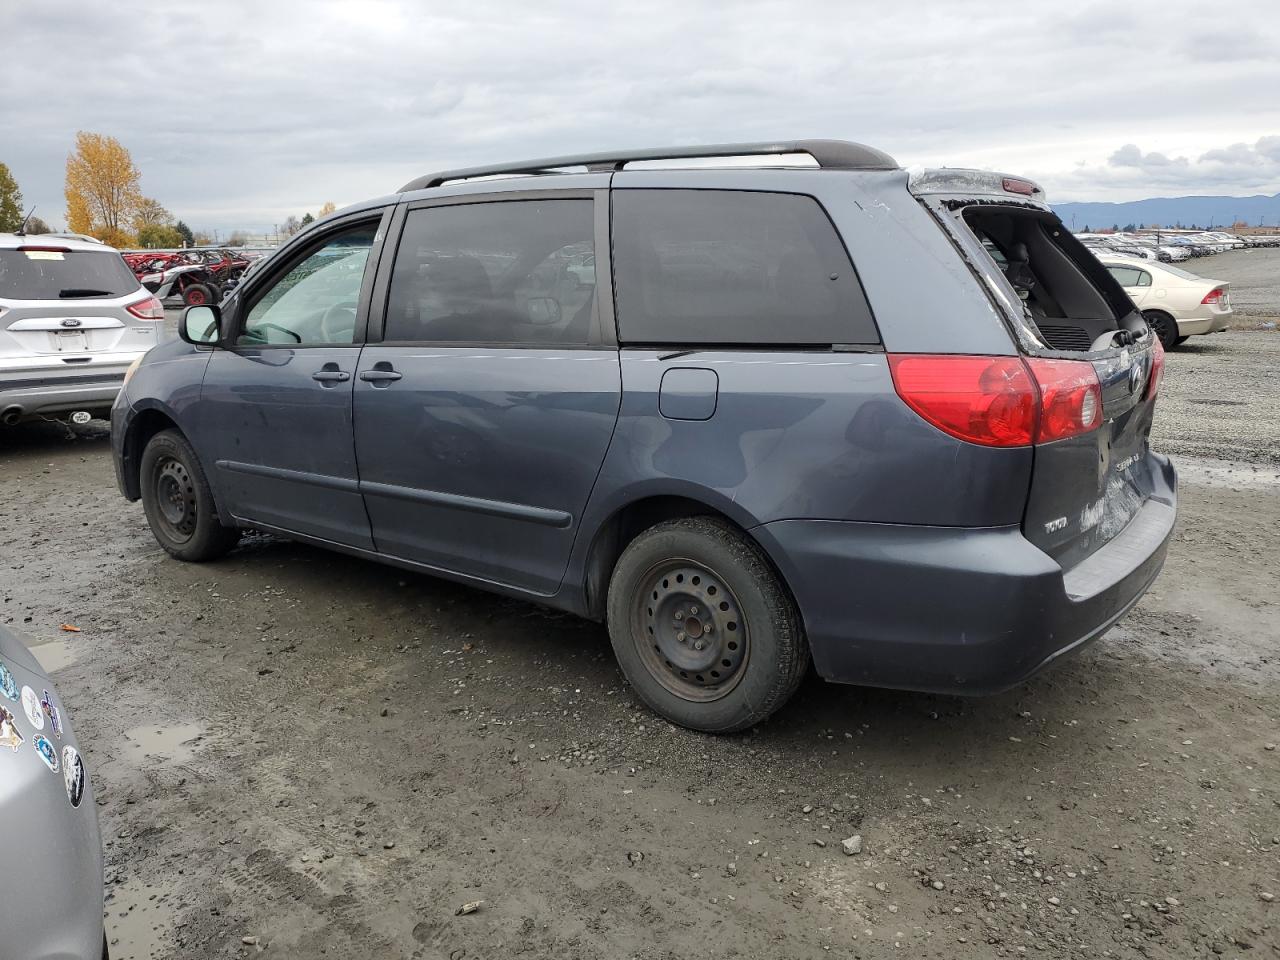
{"x":201,"y":325}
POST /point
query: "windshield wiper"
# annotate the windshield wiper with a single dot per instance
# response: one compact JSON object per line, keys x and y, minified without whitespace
{"x":73,"y":292}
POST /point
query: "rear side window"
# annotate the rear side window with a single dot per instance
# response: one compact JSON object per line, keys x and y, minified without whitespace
{"x":1131,"y":276}
{"x":518,"y":271}
{"x":733,"y":267}
{"x":64,"y":275}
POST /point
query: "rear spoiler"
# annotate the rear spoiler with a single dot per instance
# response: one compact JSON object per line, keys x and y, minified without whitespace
{"x":975,"y":183}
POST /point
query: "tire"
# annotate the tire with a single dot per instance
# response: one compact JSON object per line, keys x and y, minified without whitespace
{"x":178,"y":502}
{"x":1164,"y":326}
{"x":1180,"y":341}
{"x":753,"y":654}
{"x":198,"y":293}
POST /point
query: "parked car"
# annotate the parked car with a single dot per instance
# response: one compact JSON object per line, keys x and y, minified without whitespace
{"x":930,"y":471}
{"x":1176,"y":303}
{"x":72,"y":319}
{"x":51,"y":893}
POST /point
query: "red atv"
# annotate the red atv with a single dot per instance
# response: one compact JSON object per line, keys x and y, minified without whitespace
{"x":182,"y":278}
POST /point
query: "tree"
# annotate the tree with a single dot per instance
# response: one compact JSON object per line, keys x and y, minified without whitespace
{"x":202,"y":238}
{"x":156,"y":236}
{"x":237,"y":239}
{"x":327,"y":209}
{"x":307,"y":219}
{"x":101,"y":188}
{"x":151,"y":213}
{"x":290,"y":226}
{"x":10,"y":202}
{"x":35,"y":225}
{"x":188,"y":238}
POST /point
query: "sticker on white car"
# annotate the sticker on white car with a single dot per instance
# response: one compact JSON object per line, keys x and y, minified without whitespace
{"x":51,"y":711}
{"x":31,"y":707}
{"x":47,"y":752}
{"x":9,"y":735}
{"x":73,"y":775}
{"x":8,"y":685}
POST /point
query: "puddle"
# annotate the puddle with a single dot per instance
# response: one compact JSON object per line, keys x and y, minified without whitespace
{"x":139,"y":921}
{"x":175,"y":744}
{"x":53,"y":655}
{"x":1208,"y":472}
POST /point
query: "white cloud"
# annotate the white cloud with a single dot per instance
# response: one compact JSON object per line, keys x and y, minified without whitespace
{"x":280,"y":106}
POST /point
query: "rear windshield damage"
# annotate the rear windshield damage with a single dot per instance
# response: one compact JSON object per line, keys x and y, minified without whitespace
{"x":1066,"y":301}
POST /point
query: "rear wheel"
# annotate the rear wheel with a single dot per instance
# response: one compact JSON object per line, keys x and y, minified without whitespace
{"x":1180,"y":341}
{"x":702,"y":628}
{"x":178,"y":502}
{"x":197,"y":294}
{"x":1164,"y":326}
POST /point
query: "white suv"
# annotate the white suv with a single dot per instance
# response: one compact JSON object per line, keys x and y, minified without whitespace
{"x":72,"y":318}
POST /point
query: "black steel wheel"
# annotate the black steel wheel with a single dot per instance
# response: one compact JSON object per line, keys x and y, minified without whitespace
{"x":1164,"y":326}
{"x":694,"y":637}
{"x":178,"y":502}
{"x":702,"y":627}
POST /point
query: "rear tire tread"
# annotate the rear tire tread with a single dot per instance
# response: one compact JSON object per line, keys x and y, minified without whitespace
{"x":788,"y":652}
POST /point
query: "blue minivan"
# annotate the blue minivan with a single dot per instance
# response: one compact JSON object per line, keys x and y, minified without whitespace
{"x":815,"y":410}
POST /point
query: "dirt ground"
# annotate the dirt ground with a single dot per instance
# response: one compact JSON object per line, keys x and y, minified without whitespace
{"x":332,"y":756}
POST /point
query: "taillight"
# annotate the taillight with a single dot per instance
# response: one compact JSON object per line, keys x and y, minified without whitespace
{"x":148,"y":309}
{"x":1157,"y":367}
{"x":1213,"y":296}
{"x":1000,"y":401}
{"x":1070,"y":398}
{"x":985,"y":400}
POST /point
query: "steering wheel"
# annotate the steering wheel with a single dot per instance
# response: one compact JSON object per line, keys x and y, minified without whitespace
{"x":338,"y":325}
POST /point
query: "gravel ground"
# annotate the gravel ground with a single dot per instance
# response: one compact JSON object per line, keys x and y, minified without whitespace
{"x":332,"y":756}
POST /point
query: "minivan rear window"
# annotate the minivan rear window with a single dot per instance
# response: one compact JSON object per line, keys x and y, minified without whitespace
{"x":52,"y":274}
{"x":733,"y":267}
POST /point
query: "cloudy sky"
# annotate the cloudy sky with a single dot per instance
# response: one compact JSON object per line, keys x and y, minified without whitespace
{"x":239,"y":114}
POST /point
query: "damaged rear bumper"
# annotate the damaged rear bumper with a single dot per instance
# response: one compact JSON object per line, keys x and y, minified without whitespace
{"x":959,"y":610}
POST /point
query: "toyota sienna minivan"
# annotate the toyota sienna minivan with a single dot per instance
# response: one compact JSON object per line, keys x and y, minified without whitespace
{"x":753,"y":418}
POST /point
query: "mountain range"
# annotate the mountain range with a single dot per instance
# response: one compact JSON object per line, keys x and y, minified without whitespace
{"x":1201,"y":212}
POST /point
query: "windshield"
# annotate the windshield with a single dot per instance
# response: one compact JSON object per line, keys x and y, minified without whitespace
{"x":64,"y":275}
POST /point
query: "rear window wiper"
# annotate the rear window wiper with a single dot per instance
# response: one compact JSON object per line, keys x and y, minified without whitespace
{"x":73,"y":292}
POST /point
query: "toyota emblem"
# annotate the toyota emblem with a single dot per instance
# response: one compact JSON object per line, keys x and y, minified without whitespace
{"x":1135,"y":378}
{"x":71,"y":322}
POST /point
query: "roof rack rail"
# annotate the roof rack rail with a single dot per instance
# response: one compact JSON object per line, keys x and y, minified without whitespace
{"x":829,"y":154}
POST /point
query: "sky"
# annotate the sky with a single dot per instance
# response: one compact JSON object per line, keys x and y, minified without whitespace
{"x":239,"y":114}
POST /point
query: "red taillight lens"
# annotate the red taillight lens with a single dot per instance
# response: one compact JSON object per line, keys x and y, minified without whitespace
{"x":148,"y":309}
{"x":985,"y":400}
{"x":1213,"y":296}
{"x":1157,"y":367}
{"x":1000,"y":401}
{"x":1070,"y":398}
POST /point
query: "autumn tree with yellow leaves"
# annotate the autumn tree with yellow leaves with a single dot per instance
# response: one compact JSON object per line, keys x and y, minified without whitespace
{"x":103,"y":196}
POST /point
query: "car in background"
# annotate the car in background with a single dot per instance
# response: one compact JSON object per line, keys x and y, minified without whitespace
{"x":1176,"y":304}
{"x":73,"y":317}
{"x":51,"y":892}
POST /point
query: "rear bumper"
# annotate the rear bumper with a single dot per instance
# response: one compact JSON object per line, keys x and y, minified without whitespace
{"x":1211,"y":324}
{"x":959,"y":610}
{"x":29,"y":394}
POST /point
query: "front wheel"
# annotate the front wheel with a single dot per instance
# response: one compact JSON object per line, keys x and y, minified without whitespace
{"x":178,"y":502}
{"x":1164,"y":326}
{"x":702,"y":627}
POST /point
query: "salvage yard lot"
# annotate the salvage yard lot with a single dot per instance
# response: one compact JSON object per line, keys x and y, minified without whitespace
{"x":332,"y":756}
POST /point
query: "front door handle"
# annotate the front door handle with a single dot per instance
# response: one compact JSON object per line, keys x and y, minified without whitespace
{"x":331,"y":376}
{"x":381,"y":374}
